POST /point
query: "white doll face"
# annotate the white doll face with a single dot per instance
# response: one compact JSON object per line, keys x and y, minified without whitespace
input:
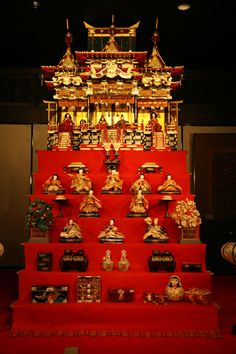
{"x":70,"y":222}
{"x":90,"y":192}
{"x":155,"y":221}
{"x":142,"y":177}
{"x":54,"y":177}
{"x":174,"y":281}
{"x":112,"y":222}
{"x":80,"y":171}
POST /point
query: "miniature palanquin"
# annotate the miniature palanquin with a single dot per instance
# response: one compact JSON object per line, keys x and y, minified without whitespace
{"x":112,"y":93}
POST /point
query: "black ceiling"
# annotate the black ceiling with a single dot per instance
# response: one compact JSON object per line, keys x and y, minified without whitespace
{"x":201,"y":38}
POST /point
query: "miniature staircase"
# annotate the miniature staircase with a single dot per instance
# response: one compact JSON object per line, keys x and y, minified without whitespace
{"x":64,"y":141}
{"x":159,"y":140}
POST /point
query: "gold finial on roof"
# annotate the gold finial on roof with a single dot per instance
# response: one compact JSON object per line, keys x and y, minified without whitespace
{"x":68,"y":59}
{"x":155,"y":60}
{"x":155,"y":36}
{"x":112,"y":27}
{"x":68,"y":37}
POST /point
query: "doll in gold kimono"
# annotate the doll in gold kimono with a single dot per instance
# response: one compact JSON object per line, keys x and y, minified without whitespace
{"x":53,"y":185}
{"x":154,"y":232}
{"x":113,"y":183}
{"x":111,"y":233}
{"x":141,"y":184}
{"x":80,"y":182}
{"x":139,"y":205}
{"x":169,"y":186}
{"x":90,"y":205}
{"x":71,"y":232}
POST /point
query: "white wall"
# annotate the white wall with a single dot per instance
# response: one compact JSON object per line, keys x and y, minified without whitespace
{"x":15,"y":163}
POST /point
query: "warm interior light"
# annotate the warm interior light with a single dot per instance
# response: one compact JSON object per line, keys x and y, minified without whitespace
{"x":183,"y":5}
{"x":35,"y":5}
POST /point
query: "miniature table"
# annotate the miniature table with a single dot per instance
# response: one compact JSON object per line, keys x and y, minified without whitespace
{"x":61,"y":202}
{"x":166,"y":201}
{"x":149,"y":167}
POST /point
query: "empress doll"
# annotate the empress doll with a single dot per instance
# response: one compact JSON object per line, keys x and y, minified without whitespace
{"x":169,"y":186}
{"x":140,"y":184}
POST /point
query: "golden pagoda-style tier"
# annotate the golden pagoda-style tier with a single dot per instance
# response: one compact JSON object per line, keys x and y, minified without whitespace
{"x":112,"y":87}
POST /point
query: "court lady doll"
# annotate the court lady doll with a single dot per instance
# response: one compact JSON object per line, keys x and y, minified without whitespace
{"x":174,"y":289}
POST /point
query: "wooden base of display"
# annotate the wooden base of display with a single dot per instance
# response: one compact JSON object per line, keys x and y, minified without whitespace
{"x":38,"y":236}
{"x":189,"y":236}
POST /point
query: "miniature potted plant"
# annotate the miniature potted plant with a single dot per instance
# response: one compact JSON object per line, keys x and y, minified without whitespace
{"x":39,"y":218}
{"x":188,"y":219}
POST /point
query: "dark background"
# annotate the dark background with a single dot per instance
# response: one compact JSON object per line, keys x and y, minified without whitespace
{"x":201,"y":38}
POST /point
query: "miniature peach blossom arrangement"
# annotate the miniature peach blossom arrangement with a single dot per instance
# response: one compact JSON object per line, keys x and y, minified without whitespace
{"x":186,"y":214}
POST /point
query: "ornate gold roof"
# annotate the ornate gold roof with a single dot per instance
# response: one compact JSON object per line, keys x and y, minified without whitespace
{"x":106,"y":31}
{"x":112,"y":71}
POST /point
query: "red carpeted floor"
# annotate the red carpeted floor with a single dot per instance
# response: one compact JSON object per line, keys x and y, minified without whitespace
{"x":224,"y":290}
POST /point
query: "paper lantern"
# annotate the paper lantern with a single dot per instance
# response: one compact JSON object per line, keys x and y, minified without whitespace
{"x":228,"y":252}
{"x":1,"y":250}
